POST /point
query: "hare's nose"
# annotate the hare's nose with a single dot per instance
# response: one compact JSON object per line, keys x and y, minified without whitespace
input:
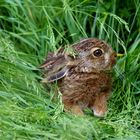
{"x":114,"y":54}
{"x":113,"y":58}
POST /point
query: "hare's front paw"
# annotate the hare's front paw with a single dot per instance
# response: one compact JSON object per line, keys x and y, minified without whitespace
{"x":100,"y":106}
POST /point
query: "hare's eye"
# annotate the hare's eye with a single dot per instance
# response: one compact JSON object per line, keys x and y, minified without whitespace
{"x":97,"y":53}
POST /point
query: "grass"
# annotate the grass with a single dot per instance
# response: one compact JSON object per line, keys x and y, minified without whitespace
{"x":29,"y":30}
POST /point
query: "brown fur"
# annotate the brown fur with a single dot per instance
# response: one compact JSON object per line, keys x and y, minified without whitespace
{"x":86,"y":81}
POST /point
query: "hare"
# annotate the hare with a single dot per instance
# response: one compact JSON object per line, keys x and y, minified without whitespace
{"x":84,"y":78}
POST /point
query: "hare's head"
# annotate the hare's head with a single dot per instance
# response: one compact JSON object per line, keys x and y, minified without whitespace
{"x":94,"y":55}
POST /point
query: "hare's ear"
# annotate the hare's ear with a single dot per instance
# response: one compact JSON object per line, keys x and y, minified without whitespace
{"x":56,"y":75}
{"x":49,"y":61}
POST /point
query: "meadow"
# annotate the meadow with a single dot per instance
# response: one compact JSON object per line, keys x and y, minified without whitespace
{"x":29,"y":29}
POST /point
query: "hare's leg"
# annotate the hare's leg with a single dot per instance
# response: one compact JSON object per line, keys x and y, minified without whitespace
{"x":73,"y":108}
{"x":99,"y":106}
{"x":77,"y":110}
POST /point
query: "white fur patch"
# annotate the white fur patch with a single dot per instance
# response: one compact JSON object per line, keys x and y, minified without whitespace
{"x":99,"y":113}
{"x":106,"y":58}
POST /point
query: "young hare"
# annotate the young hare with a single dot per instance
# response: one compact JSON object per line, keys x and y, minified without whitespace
{"x":83,"y":79}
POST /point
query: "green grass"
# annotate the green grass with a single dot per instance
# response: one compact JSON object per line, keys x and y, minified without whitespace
{"x":28,"y":31}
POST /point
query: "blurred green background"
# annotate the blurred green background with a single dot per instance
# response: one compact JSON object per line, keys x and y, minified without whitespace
{"x":29,"y":29}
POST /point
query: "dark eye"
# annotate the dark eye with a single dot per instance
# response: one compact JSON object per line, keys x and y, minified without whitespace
{"x":98,"y":52}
